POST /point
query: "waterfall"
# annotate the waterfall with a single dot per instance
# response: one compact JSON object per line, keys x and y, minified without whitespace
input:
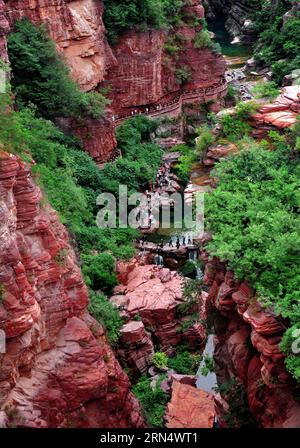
{"x":158,"y":260}
{"x":193,"y":255}
{"x":199,"y":273}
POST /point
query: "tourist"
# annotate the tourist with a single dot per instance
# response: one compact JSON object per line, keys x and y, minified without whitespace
{"x":171,"y":242}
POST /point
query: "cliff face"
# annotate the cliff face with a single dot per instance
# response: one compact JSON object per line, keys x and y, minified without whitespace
{"x":57,"y":369}
{"x":78,"y":30}
{"x":139,"y":72}
{"x":79,"y":33}
{"x":146,"y":74}
{"x":4,"y":30}
{"x":247,"y":349}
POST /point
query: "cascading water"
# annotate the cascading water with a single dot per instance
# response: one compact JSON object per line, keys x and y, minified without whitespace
{"x":193,"y":257}
{"x":159,"y":260}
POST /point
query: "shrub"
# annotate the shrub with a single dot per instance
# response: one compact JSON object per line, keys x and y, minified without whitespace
{"x":239,"y":414}
{"x":160,"y":360}
{"x":266,"y":90}
{"x":245,"y":109}
{"x":99,"y":272}
{"x":185,"y":363}
{"x":42,"y":78}
{"x":188,"y":269}
{"x":203,"y":39}
{"x":105,"y":313}
{"x":231,"y":92}
{"x":190,"y":294}
{"x":278,"y":44}
{"x":127,"y":14}
{"x":153,"y":400}
{"x":234,"y":128}
{"x":254,"y":217}
{"x":205,"y":139}
{"x":182,"y":75}
{"x":208,"y":366}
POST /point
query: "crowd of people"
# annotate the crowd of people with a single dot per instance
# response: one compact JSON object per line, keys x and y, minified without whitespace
{"x":147,"y":211}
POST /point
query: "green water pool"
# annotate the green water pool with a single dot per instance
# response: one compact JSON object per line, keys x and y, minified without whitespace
{"x":217,"y":26}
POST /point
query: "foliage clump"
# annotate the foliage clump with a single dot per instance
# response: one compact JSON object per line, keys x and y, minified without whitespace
{"x":41,"y":77}
{"x":153,"y":400}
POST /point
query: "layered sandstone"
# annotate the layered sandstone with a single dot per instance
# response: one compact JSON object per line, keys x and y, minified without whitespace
{"x":98,"y":137}
{"x":145,"y":77}
{"x":280,"y":114}
{"x":57,"y":369}
{"x":247,"y":349}
{"x":136,"y":347}
{"x":153,"y":294}
{"x":4,"y":30}
{"x":78,"y":30}
{"x":189,"y":407}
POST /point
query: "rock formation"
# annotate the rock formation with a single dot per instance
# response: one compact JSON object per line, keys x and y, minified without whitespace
{"x":237,"y":15}
{"x":78,"y":30}
{"x":247,"y":349}
{"x":4,"y":30}
{"x":189,"y":407}
{"x":97,"y":136}
{"x":138,"y":71}
{"x":146,"y":74}
{"x":153,"y":294}
{"x":57,"y":369}
{"x":280,"y":114}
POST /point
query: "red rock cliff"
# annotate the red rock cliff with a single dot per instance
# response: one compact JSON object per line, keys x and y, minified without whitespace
{"x":145,"y":73}
{"x":248,"y":349}
{"x":78,"y":30}
{"x":57,"y":369}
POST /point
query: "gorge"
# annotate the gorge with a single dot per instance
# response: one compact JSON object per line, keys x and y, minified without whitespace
{"x":95,"y":333}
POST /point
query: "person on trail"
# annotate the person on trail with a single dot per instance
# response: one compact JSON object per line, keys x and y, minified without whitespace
{"x":171,"y":242}
{"x":183,"y":241}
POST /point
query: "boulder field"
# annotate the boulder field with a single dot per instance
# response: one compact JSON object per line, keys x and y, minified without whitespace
{"x":148,"y":299}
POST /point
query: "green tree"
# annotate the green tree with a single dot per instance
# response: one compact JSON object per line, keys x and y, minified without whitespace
{"x":42,"y":78}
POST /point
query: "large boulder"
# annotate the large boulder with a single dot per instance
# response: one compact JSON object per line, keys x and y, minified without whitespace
{"x":190,"y":408}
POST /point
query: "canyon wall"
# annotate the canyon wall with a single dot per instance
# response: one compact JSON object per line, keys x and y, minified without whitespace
{"x":57,"y":369}
{"x":146,"y":73}
{"x":78,"y":30}
{"x":247,"y":349}
{"x":139,"y":72}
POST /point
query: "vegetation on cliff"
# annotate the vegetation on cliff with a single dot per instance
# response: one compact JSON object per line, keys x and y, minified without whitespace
{"x":254,"y":217}
{"x":41,"y":77}
{"x":278,"y":45}
{"x":69,"y":178}
{"x":122,"y":15}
